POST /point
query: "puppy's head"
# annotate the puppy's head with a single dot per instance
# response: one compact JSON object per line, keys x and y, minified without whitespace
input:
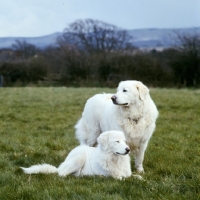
{"x":129,"y":92}
{"x":113,"y":142}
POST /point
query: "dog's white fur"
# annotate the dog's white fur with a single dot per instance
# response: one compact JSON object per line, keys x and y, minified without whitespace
{"x":134,"y":113}
{"x":109,"y":158}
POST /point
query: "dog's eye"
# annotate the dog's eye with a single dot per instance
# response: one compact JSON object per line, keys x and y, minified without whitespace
{"x":117,"y":141}
{"x":124,"y":90}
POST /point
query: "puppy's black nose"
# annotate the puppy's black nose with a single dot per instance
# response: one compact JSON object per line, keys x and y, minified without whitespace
{"x":114,"y":98}
{"x":127,"y":149}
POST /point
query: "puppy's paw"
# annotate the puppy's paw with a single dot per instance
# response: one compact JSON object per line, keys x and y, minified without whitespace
{"x":62,"y":173}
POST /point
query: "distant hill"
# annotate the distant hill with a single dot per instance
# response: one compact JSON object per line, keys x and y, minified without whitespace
{"x":41,"y":42}
{"x":159,"y":38}
{"x":142,"y":38}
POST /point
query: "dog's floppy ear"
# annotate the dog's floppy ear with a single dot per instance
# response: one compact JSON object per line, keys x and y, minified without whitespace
{"x":103,"y":141}
{"x":143,"y":90}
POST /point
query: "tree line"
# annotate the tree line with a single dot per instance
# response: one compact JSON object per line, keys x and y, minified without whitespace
{"x":94,"y":53}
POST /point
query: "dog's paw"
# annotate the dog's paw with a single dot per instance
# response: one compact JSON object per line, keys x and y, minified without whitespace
{"x":118,"y":177}
{"x":138,"y":177}
{"x":140,"y":170}
{"x":62,"y":173}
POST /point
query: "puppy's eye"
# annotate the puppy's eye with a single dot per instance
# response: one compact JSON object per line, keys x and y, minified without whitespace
{"x":124,"y":90}
{"x":117,"y":141}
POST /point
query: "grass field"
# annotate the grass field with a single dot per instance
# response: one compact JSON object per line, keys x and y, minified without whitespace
{"x":37,"y":126}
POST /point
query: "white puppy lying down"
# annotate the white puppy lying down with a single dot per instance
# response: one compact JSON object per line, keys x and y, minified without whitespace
{"x":109,"y":158}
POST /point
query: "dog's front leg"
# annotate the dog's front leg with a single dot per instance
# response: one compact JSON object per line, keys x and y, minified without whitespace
{"x":139,"y":157}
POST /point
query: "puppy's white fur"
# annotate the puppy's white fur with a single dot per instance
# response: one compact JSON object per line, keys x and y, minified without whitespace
{"x":109,"y":158}
{"x":134,"y":113}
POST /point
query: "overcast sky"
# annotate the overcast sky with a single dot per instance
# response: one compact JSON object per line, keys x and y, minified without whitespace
{"x":29,"y":18}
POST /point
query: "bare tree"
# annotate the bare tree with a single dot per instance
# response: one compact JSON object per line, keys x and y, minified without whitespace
{"x":186,"y":65}
{"x":95,"y":36}
{"x":189,"y":44}
{"x":25,"y":49}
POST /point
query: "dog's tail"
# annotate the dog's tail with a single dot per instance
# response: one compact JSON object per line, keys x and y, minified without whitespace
{"x":43,"y":168}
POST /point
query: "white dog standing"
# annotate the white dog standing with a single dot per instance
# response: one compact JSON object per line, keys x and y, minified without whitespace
{"x":134,"y":113}
{"x":109,"y":158}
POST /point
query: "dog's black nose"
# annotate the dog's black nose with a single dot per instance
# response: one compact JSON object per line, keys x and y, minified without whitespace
{"x":127,"y":149}
{"x":114,"y":98}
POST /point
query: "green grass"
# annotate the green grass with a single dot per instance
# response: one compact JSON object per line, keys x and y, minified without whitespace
{"x":37,"y":126}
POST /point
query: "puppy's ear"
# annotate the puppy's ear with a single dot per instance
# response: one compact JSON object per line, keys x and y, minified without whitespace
{"x":103,"y":141}
{"x":143,"y":90}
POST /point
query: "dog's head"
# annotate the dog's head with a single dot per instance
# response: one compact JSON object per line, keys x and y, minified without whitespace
{"x":130,"y":92}
{"x":113,"y":141}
